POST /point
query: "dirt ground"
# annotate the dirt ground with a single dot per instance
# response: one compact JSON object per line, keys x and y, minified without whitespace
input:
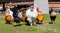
{"x":2,"y":15}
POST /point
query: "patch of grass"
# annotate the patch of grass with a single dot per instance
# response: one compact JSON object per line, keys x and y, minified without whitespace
{"x":47,"y":18}
{"x":6,"y":28}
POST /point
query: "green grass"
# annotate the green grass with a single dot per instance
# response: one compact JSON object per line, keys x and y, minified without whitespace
{"x":6,"y":28}
{"x":47,"y":18}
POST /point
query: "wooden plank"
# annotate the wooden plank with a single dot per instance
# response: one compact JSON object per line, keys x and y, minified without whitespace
{"x":21,"y":3}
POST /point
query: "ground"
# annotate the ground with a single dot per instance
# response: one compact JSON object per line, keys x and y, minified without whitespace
{"x":43,"y":28}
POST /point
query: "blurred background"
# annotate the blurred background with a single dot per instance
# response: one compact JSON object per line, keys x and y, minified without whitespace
{"x":26,"y":4}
